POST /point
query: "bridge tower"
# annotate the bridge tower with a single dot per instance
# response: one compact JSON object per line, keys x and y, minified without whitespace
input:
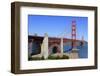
{"x":73,"y":33}
{"x":74,"y":53}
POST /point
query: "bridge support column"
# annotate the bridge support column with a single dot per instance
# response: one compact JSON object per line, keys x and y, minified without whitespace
{"x":30,"y":48}
{"x":61,"y":45}
{"x":44,"y":47}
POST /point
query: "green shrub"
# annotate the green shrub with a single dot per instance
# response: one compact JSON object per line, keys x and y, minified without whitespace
{"x":65,"y":57}
{"x":42,"y":58}
{"x":51,"y":57}
{"x":30,"y":58}
{"x":58,"y":57}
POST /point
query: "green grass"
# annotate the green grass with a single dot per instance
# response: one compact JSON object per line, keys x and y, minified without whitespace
{"x":58,"y":57}
{"x":51,"y":57}
{"x":36,"y":58}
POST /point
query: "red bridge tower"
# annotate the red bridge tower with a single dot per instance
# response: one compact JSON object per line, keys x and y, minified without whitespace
{"x":73,"y":33}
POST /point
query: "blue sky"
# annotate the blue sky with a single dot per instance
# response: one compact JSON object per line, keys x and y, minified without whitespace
{"x":56,"y":25}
